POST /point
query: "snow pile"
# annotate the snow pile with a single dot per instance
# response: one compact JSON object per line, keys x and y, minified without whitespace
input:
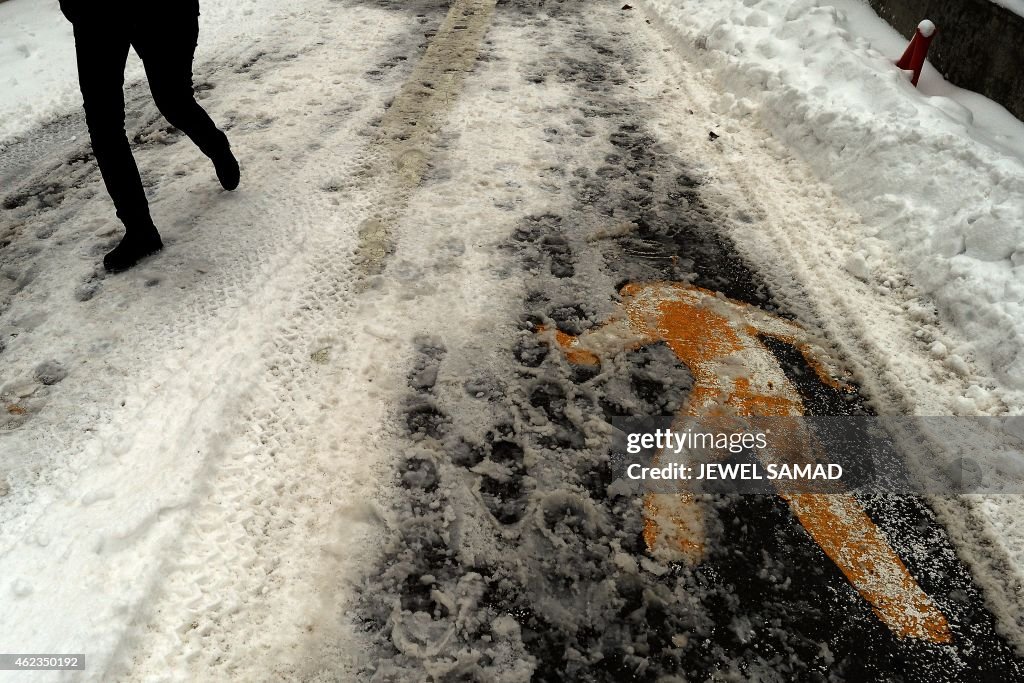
{"x":938,"y":178}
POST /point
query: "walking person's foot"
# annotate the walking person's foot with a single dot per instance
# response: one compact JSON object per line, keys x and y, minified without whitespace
{"x":136,"y":245}
{"x":228,"y":172}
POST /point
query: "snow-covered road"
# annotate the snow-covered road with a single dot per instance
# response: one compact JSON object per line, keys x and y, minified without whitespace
{"x":319,"y":436}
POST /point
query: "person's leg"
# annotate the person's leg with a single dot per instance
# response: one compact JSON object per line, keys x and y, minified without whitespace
{"x":102,"y":50}
{"x":167,"y":46}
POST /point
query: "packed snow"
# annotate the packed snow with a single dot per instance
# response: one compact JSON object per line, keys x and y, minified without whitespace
{"x":166,"y":433}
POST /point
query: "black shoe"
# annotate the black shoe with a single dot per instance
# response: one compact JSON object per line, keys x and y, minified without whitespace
{"x":135,"y":246}
{"x":228,"y":172}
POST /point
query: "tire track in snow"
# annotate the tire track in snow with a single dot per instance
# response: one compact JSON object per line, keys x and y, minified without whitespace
{"x":289,"y":489}
{"x":412,"y":121}
{"x":114,"y":403}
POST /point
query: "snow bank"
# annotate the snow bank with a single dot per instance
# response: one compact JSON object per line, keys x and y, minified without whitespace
{"x":937,"y":173}
{"x":38,"y":73}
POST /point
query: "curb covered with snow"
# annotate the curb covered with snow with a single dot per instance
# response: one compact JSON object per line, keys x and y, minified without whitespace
{"x":933,"y":185}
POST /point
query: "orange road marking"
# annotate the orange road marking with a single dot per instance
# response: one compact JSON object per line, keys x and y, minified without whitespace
{"x":840,"y":526}
{"x":714,"y":336}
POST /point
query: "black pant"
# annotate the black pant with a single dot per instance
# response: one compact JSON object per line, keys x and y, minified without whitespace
{"x":167,"y":46}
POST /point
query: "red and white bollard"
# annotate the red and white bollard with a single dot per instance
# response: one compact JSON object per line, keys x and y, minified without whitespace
{"x":913,"y":58}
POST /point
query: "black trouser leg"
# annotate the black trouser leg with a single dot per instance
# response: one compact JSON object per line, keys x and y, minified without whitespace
{"x":167,"y":49}
{"x":102,"y":51}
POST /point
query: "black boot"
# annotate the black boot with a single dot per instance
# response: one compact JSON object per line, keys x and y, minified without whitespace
{"x":137,"y":244}
{"x":228,"y":172}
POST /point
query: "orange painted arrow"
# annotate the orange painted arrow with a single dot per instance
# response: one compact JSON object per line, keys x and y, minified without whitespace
{"x":714,"y":336}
